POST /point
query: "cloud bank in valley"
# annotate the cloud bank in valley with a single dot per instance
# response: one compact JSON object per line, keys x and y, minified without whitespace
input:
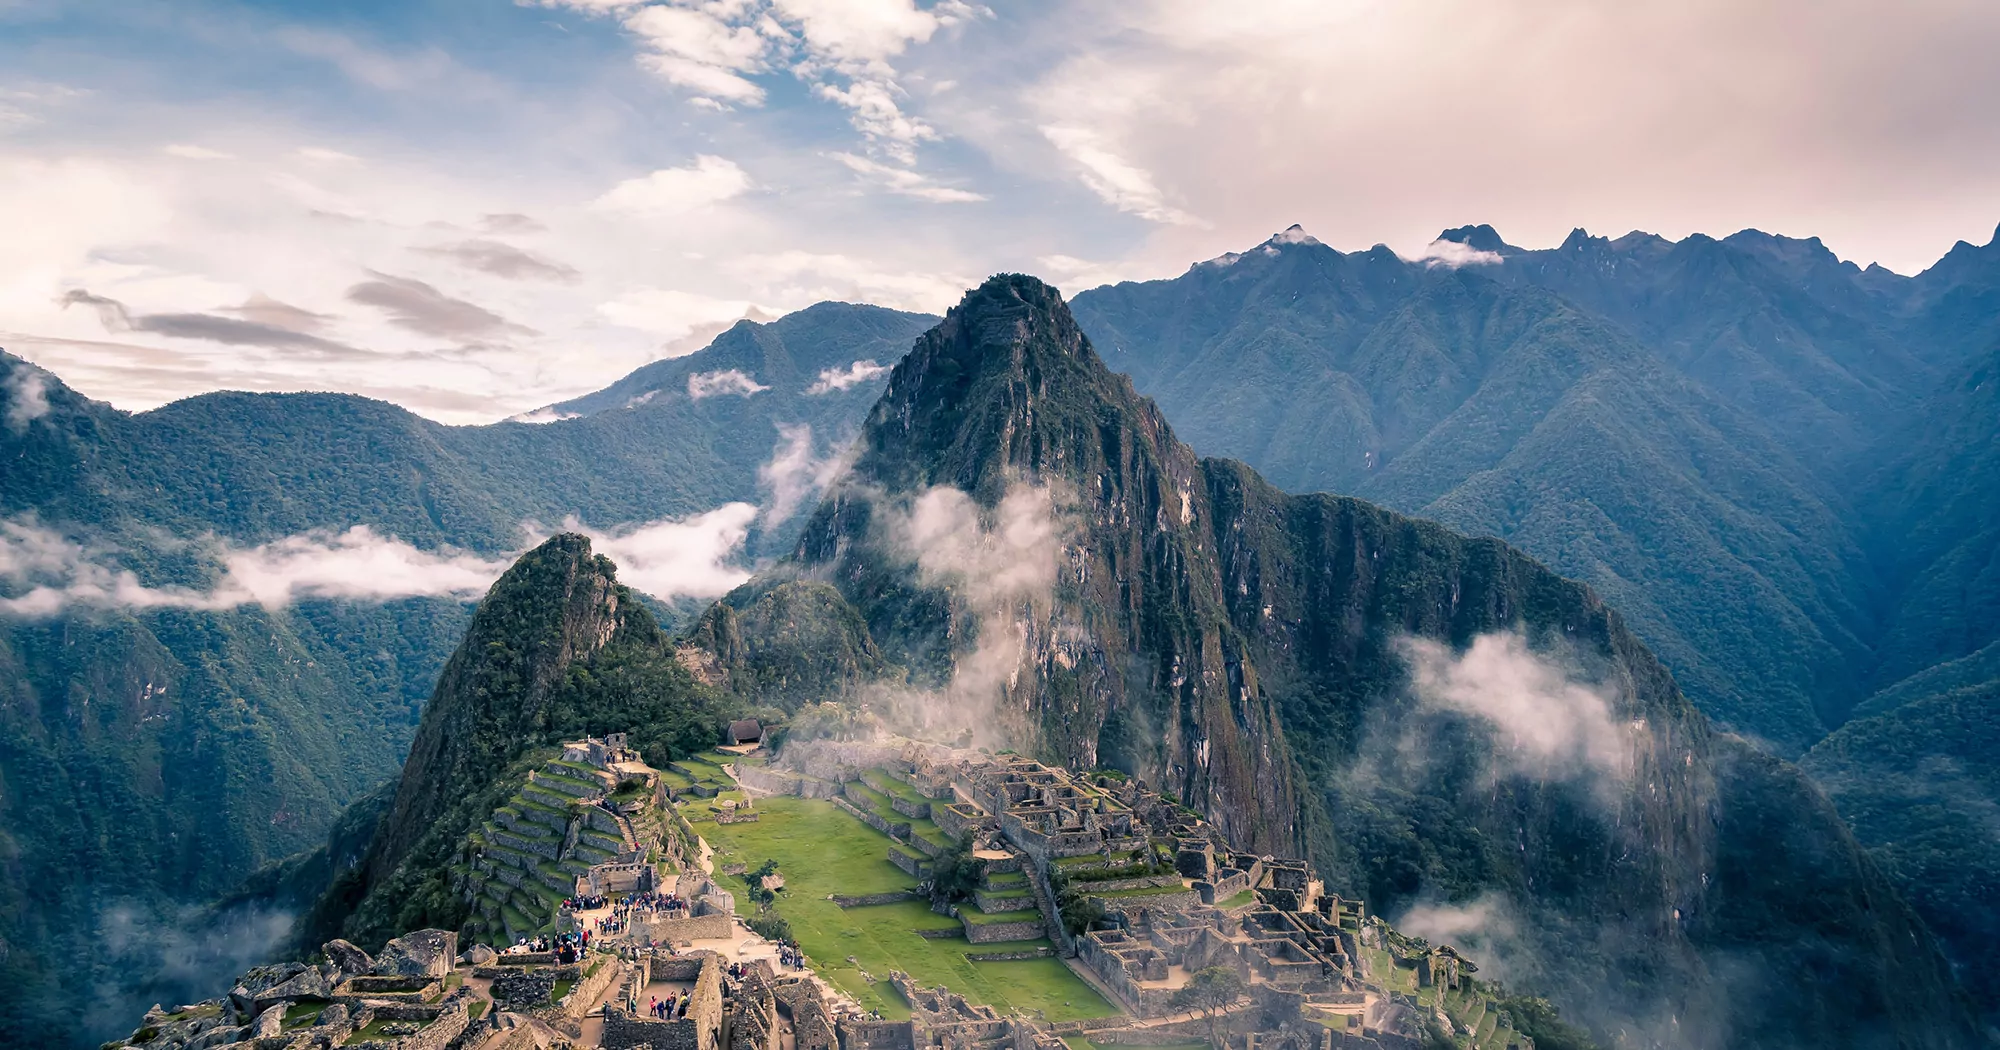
{"x":48,"y":572}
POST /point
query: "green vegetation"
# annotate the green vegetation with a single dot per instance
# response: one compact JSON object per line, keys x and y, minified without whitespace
{"x":824,"y":851}
{"x":1209,"y":991}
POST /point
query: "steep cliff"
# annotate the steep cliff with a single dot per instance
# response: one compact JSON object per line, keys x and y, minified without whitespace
{"x":1268,"y":658}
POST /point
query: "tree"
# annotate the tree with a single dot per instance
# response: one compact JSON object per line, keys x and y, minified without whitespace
{"x":1078,"y":910}
{"x":955,"y":874}
{"x":1210,"y":990}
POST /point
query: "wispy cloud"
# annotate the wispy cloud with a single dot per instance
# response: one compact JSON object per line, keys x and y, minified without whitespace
{"x":502,"y":260}
{"x":834,"y":379}
{"x":1120,"y":183}
{"x":421,"y":308}
{"x":708,"y":181}
{"x":908,"y":182}
{"x":1546,"y":722}
{"x":724,"y":381}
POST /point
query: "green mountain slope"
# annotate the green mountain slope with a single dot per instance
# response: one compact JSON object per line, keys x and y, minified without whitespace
{"x":216,"y":742}
{"x":1499,"y":408}
{"x":1243,"y":648}
{"x":556,"y":650}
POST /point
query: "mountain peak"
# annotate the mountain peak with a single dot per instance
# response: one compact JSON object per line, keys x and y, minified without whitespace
{"x":1293,"y":234}
{"x":1479,"y":238}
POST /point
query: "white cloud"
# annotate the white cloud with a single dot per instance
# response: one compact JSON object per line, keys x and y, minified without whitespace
{"x":808,"y":277}
{"x":724,"y":381}
{"x":907,"y":182}
{"x":50,"y":572}
{"x":703,"y":49}
{"x":832,"y":379}
{"x":687,"y":557}
{"x":1451,"y":255}
{"x":188,"y":152}
{"x":1546,"y":723}
{"x":1120,"y":183}
{"x":708,"y":181}
{"x":27,"y":390}
{"x":795,"y":472}
{"x":542,"y":416}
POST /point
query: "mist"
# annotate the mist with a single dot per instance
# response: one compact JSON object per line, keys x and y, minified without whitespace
{"x":999,"y":569}
{"x":1546,"y":723}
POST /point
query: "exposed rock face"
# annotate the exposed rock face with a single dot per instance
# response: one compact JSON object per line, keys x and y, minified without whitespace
{"x":1244,"y":649}
{"x":425,"y":953}
{"x":350,"y":959}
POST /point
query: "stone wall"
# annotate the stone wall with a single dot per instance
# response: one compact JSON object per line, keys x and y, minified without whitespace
{"x":677,"y":967}
{"x":914,"y":809}
{"x":689,"y":928}
{"x":993,"y":932}
{"x":1177,"y":901}
{"x":589,"y":991}
{"x":910,"y":866}
{"x":877,"y":898}
{"x":877,"y":1035}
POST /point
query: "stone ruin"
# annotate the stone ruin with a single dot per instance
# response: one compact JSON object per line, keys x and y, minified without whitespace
{"x":402,"y":989}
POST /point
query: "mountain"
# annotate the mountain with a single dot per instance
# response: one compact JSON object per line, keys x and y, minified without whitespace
{"x":227,"y":739}
{"x":1500,"y":407}
{"x":1034,"y":553}
{"x":556,"y":650}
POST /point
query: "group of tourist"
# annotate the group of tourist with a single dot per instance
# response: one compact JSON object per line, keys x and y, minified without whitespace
{"x":670,"y":1008}
{"x":790,"y":955}
{"x":589,"y":903}
{"x":566,"y":947}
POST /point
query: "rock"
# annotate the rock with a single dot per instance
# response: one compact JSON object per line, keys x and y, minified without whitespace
{"x":270,"y":1023}
{"x":243,"y":1002}
{"x":332,"y":1015}
{"x":217,"y":1037}
{"x":307,"y":984}
{"x":352,"y":960}
{"x":481,"y":955}
{"x":425,"y":953}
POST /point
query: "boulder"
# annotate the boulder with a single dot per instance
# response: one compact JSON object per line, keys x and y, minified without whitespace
{"x":352,"y":960}
{"x":425,"y":953}
{"x":243,"y":1001}
{"x":306,"y":984}
{"x":481,"y":955}
{"x":332,"y":1015}
{"x":217,"y":1037}
{"x":270,"y":1023}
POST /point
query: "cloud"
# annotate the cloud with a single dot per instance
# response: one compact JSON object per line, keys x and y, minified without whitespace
{"x":710,"y":180}
{"x":510,"y":222}
{"x":1546,"y":724}
{"x":421,"y":308}
{"x":1485,"y":930}
{"x":687,"y":557}
{"x":806,"y":277}
{"x":999,"y":567}
{"x":1451,"y":255}
{"x":724,"y":381}
{"x":906,"y":182}
{"x":27,"y":390}
{"x":1117,"y":181}
{"x":502,"y":260}
{"x":794,"y":473}
{"x":48,"y":571}
{"x":256,"y":328}
{"x":189,"y":152}
{"x":703,"y":50}
{"x":677,"y":315}
{"x":543,"y":415}
{"x":832,"y":379}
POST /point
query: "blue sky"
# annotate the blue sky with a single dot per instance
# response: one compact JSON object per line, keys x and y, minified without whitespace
{"x":473,"y":208}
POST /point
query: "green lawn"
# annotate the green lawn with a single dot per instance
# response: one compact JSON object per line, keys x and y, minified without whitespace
{"x":1238,"y":900}
{"x":823,"y":851}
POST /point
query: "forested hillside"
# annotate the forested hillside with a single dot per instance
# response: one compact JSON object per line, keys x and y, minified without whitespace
{"x":224,"y":739}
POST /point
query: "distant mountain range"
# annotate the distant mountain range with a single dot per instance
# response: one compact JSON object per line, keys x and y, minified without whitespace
{"x":1780,"y":468}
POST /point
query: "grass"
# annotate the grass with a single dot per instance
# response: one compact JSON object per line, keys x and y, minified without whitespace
{"x":823,"y":851}
{"x":1238,"y":900}
{"x":980,"y":918}
{"x":561,"y":989}
{"x":477,"y":1009}
{"x":372,"y":1030}
{"x":1143,"y":891}
{"x":302,"y":1014}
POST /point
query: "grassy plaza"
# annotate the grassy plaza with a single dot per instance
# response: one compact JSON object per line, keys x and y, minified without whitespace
{"x":823,"y":851}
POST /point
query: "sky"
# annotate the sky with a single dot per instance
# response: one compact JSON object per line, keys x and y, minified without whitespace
{"x":473,"y":208}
